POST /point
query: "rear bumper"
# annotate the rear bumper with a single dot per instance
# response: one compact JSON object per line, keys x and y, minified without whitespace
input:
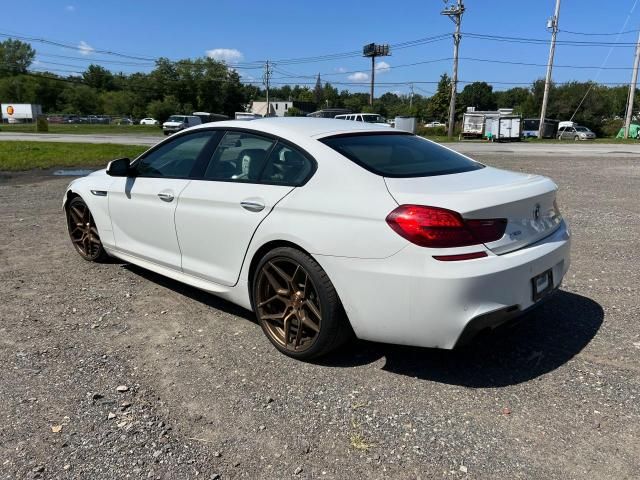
{"x":412,"y":299}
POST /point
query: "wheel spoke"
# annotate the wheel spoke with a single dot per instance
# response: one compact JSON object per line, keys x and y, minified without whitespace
{"x":273,"y":316}
{"x":307,"y":322}
{"x":75,"y":213}
{"x":277,"y":296}
{"x":286,"y":328}
{"x":312,"y":308}
{"x":272,"y":281}
{"x":281,"y":272}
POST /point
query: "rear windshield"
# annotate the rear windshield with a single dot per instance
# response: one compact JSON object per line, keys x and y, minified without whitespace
{"x":400,"y":155}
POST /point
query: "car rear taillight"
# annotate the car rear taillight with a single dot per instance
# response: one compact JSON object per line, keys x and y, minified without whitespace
{"x":441,"y":228}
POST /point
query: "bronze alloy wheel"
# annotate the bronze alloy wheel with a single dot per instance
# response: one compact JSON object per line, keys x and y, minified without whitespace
{"x":83,"y":230}
{"x":288,"y":304}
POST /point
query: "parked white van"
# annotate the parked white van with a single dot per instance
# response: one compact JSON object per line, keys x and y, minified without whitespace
{"x":175,"y":123}
{"x":364,"y":117}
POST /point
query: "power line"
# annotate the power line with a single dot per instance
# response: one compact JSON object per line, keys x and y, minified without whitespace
{"x":541,"y":41}
{"x":592,"y":34}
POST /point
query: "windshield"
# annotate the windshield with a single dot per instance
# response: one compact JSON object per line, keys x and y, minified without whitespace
{"x":373,"y":118}
{"x":176,"y":118}
{"x":400,"y":155}
{"x":582,"y":129}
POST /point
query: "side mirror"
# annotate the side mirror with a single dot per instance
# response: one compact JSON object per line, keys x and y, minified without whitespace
{"x":119,"y":167}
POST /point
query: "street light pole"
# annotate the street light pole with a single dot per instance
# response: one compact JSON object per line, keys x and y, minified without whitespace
{"x":374,"y":50}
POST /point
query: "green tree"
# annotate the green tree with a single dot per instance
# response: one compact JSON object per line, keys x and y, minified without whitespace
{"x":118,"y":103}
{"x":437,"y":107}
{"x":81,"y":100}
{"x":98,"y":77}
{"x":294,"y":112}
{"x":15,"y":57}
{"x":318,"y":92}
{"x":163,"y":109}
{"x":477,"y":94}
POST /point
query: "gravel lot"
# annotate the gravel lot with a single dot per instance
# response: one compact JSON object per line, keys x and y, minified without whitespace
{"x":556,"y":396}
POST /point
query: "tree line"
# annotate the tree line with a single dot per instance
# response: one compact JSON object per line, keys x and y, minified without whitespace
{"x":204,"y":84}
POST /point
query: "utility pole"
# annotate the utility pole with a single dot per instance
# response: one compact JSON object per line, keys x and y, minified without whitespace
{"x":632,"y":91}
{"x":553,"y":24}
{"x":455,"y":14}
{"x":374,"y":50}
{"x":411,"y":96}
{"x":266,"y":78}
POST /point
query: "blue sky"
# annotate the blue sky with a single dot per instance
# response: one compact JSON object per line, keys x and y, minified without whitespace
{"x":247,"y":31}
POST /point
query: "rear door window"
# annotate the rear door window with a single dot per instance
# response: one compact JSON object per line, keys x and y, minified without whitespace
{"x":239,"y":157}
{"x":286,"y":166}
{"x":400,"y":155}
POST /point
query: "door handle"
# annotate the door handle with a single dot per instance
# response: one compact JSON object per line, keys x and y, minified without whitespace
{"x":166,"y":197}
{"x":252,"y":205}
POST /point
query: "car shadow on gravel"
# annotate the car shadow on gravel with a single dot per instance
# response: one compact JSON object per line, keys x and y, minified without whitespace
{"x":195,"y":294}
{"x":538,"y":343}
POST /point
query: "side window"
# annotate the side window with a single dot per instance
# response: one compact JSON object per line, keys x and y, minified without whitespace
{"x":175,"y":158}
{"x":286,"y":166}
{"x":358,"y":118}
{"x":240,"y":156}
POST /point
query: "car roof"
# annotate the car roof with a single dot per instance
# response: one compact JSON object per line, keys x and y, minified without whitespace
{"x":299,"y":127}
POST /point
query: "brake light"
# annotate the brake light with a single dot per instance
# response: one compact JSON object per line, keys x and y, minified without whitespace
{"x":436,"y":227}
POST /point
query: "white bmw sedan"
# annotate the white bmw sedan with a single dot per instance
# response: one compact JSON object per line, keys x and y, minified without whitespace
{"x":326,"y":228}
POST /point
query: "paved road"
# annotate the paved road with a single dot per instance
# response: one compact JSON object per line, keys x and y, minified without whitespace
{"x":556,"y":397}
{"x":74,"y":138}
{"x":581,"y":149}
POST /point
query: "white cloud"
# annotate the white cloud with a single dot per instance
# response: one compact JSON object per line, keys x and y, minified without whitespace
{"x":225,"y":54}
{"x":85,"y":48}
{"x":70,"y":8}
{"x":382,"y":67}
{"x":358,"y":77}
{"x":340,"y":69}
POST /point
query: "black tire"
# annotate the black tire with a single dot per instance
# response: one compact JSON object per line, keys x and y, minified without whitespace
{"x":334,"y":327}
{"x":576,"y":138}
{"x":83,"y":231}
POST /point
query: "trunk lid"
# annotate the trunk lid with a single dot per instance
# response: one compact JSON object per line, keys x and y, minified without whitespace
{"x":526,"y":201}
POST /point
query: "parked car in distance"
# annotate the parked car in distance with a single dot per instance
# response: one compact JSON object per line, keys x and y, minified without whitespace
{"x":122,"y":121}
{"x":176,"y":123}
{"x":373,"y":118}
{"x":149,"y":121}
{"x":325,"y":227}
{"x":435,"y":124}
{"x":575,"y":133}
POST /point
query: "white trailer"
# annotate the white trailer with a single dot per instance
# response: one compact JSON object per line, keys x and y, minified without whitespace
{"x":20,"y":112}
{"x":473,"y":125}
{"x":501,"y":125}
{"x":506,"y":128}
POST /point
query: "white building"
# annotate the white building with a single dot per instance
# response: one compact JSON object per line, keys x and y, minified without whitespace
{"x":278,"y":108}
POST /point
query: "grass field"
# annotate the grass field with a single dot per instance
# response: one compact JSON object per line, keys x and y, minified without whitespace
{"x":85,"y":129}
{"x":17,"y":156}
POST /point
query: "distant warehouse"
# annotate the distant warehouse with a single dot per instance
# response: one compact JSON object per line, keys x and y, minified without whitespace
{"x":20,"y":112}
{"x":278,"y":108}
